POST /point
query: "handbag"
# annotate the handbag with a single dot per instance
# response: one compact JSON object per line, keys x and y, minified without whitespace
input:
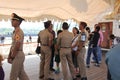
{"x":38,"y":50}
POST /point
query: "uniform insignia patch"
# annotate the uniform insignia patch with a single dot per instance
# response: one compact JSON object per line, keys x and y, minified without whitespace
{"x":17,"y":37}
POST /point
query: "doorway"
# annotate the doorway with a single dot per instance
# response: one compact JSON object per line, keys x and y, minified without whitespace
{"x":106,"y":28}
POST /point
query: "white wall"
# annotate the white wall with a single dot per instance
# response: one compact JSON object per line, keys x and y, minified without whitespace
{"x":116,"y":29}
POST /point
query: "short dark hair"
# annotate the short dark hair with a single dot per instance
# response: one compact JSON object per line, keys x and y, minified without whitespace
{"x":112,"y":36}
{"x":84,"y":24}
{"x":88,"y":29}
{"x":47,"y":24}
{"x":97,"y":28}
{"x":65,"y":25}
{"x":76,"y":30}
{"x":58,"y":32}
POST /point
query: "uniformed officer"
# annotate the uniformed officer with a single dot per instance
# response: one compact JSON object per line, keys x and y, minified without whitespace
{"x":81,"y":50}
{"x":52,"y":49}
{"x":16,"y":56}
{"x":45,"y":39}
{"x":64,"y":41}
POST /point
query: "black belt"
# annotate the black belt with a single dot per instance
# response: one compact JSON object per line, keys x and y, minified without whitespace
{"x":65,"y":47}
{"x":44,"y":44}
{"x":20,"y":50}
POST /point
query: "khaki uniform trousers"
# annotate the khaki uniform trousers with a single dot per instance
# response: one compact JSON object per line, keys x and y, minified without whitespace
{"x":81,"y":62}
{"x":17,"y":70}
{"x":66,"y":59}
{"x":45,"y":62}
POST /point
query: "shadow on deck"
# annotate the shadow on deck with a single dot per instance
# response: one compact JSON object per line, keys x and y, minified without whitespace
{"x":32,"y":69}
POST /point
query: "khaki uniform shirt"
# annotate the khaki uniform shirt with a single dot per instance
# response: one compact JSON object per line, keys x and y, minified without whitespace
{"x":44,"y":37}
{"x":18,"y":36}
{"x":65,"y":39}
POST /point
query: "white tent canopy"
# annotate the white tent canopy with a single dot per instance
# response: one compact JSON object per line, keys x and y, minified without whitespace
{"x":90,"y":11}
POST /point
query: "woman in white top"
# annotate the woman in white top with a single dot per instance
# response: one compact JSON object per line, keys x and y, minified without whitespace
{"x":74,"y":48}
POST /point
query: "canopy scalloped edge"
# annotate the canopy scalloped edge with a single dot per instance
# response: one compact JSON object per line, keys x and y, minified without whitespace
{"x":37,"y":18}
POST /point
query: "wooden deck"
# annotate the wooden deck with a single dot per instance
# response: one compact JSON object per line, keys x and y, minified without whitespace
{"x":32,"y":69}
{"x":97,"y":73}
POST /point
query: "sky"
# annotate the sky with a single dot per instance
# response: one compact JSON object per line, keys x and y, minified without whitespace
{"x":37,"y":25}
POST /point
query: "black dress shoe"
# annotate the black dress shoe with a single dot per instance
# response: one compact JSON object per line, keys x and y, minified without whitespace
{"x":51,"y":69}
{"x":87,"y":66}
{"x":78,"y":76}
{"x":74,"y":78}
{"x":84,"y":78}
{"x":50,"y":79}
{"x":41,"y":77}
